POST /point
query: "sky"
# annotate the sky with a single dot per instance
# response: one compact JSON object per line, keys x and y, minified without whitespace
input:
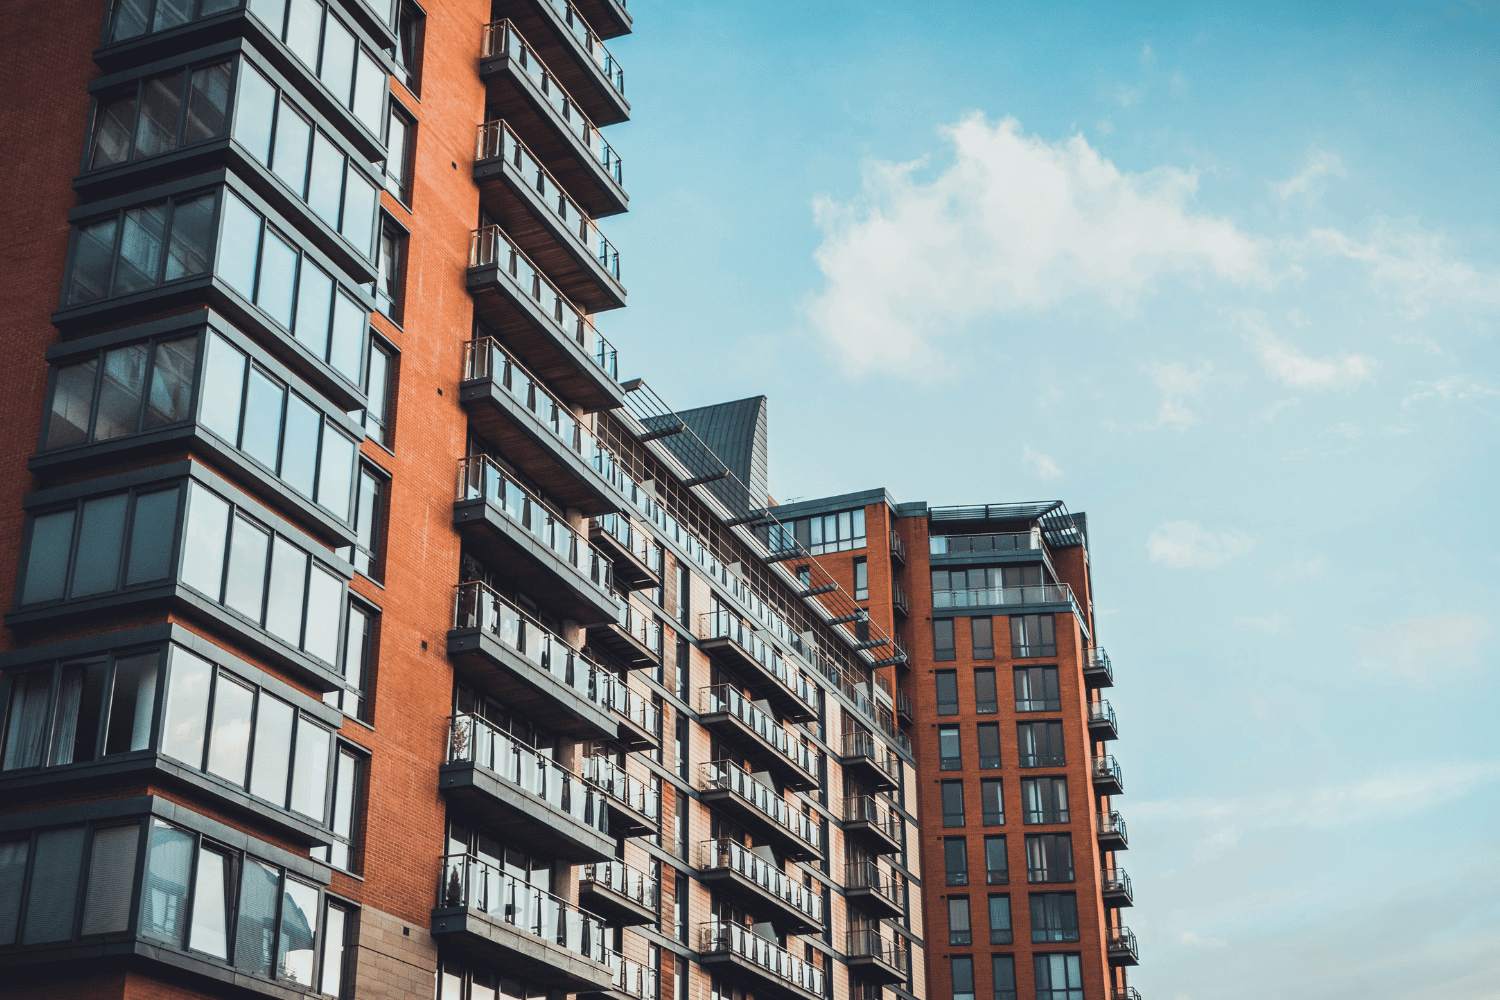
{"x":1228,"y":280}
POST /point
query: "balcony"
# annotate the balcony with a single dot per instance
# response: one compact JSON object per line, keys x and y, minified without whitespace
{"x":760,"y":886}
{"x":727,"y":639}
{"x":1124,"y":993}
{"x":577,"y":54}
{"x":874,"y":958}
{"x":873,"y":823}
{"x":636,"y":715}
{"x":536,"y":430}
{"x":632,"y":980}
{"x":1004,"y":541}
{"x":618,"y":537}
{"x":1102,"y":725}
{"x":1121,"y":947}
{"x":618,"y":893}
{"x":554,"y":125}
{"x":898,"y":549}
{"x":869,"y":760}
{"x":634,"y":805}
{"x":487,"y":914}
{"x":609,"y":17}
{"x":904,"y":710}
{"x":760,"y":809}
{"x":1097,"y":670}
{"x":1108,"y":778}
{"x":873,"y":888}
{"x":1057,"y":594}
{"x":530,"y":546}
{"x":529,"y":799}
{"x":1112,"y":835}
{"x":544,"y":329}
{"x":768,"y":745}
{"x":1115,"y":886}
{"x":633,"y":638}
{"x":900,"y":603}
{"x":763,"y":966}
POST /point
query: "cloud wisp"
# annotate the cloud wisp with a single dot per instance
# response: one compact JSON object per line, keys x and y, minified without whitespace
{"x":1188,"y":545}
{"x":1289,"y":366}
{"x":1042,"y":466}
{"x":1419,"y":648}
{"x":1308,"y":183}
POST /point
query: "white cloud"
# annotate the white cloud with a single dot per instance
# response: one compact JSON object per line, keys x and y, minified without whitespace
{"x":1188,"y":545}
{"x":1319,"y":165}
{"x":1416,"y":648}
{"x":1043,"y":465}
{"x":1014,"y":223}
{"x":1193,"y":940}
{"x":1416,"y":269}
{"x":1179,"y":386}
{"x":1453,"y":388}
{"x":1291,"y":367}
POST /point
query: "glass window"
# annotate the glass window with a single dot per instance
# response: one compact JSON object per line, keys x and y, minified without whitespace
{"x":1058,"y":976}
{"x":310,"y":773}
{"x":106,"y":909}
{"x":961,"y":968}
{"x":114,"y":124}
{"x":245,"y":586}
{"x":254,"y":113}
{"x":223,"y":388}
{"x":1040,"y":744}
{"x":1049,"y":857}
{"x":953,"y":803}
{"x":255,"y":930}
{"x":956,"y":860}
{"x":359,"y":639}
{"x":299,"y":929}
{"x":260,"y":437}
{"x":151,"y":533}
{"x":346,"y":806}
{"x":861,"y":579}
{"x":950,"y":754}
{"x":173,"y":373}
{"x":982,"y":636}
{"x":47,"y":560}
{"x":400,"y":136}
{"x":229,"y":736}
{"x":959,"y":931}
{"x":156,"y":128}
{"x":304,"y":28}
{"x":325,"y":597}
{"x":239,"y":246}
{"x":204,"y":542}
{"x":1000,"y":932}
{"x":360,"y":200}
{"x":213,"y":888}
{"x":947,"y":692}
{"x":996,"y":866}
{"x":164,"y":895}
{"x":314,"y":308}
{"x":75,"y":719}
{"x":410,"y":29}
{"x":986,"y":701}
{"x":284,"y":602}
{"x":54,"y":886}
{"x":1044,"y":800}
{"x":336,"y":473}
{"x":1054,"y":917}
{"x":368,"y":516}
{"x":72,"y":405}
{"x":1037,"y":690}
{"x":13,"y":856}
{"x":390,"y":283}
{"x":120,"y":391}
{"x":132,"y":703}
{"x":335,"y":943}
{"x":1032,"y":635}
{"x":93,"y":261}
{"x":101,"y":537}
{"x":370,"y":87}
{"x":299,"y":446}
{"x":273,"y":750}
{"x":377,"y":413}
{"x":278,"y":278}
{"x":325,"y":187}
{"x":185,"y":718}
{"x":992,"y":799}
{"x":26,"y":719}
{"x":942,"y":639}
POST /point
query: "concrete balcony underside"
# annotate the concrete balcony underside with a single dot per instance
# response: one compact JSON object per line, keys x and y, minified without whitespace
{"x":742,"y":889}
{"x":759,"y":678}
{"x":735,"y":732}
{"x":529,"y":691}
{"x":629,"y":568}
{"x":607,"y":17}
{"x":627,"y":821}
{"x":873,"y":900}
{"x":614,"y":906}
{"x":477,"y":935}
{"x":875,"y":969}
{"x":623,"y":645}
{"x":521,"y":818}
{"x":759,"y":980}
{"x":872,"y":835}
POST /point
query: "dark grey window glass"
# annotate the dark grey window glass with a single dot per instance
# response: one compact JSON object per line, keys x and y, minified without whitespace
{"x":93,"y":261}
{"x":106,"y":908}
{"x":26,"y":719}
{"x":229,"y":736}
{"x":947,"y":692}
{"x":1000,"y":930}
{"x":861,"y":579}
{"x":982,"y":636}
{"x":1032,"y":635}
{"x":114,"y":124}
{"x":120,"y":391}
{"x":992,"y":799}
{"x":1054,"y":917}
{"x":959,"y":930}
{"x":161,"y":103}
{"x":1058,"y":976}
{"x":391,"y":262}
{"x":54,"y":886}
{"x":72,"y":405}
{"x":172,"y":377}
{"x":47,"y":562}
{"x":213,"y":888}
{"x":996,"y":864}
{"x":989,"y":744}
{"x":956,"y":860}
{"x":1044,"y":800}
{"x":1040,"y":744}
{"x":132,"y":703}
{"x":1037,"y":690}
{"x":985,"y":699}
{"x":75,"y":719}
{"x":101,"y":536}
{"x":950,"y":756}
{"x":145,"y":254}
{"x":151,"y":532}
{"x":295,"y":952}
{"x":254,"y":936}
{"x":273,"y":750}
{"x":208,"y":104}
{"x":1049,"y":857}
{"x":185,"y":717}
{"x":192,"y":229}
{"x":961,"y":968}
{"x":143,"y":237}
{"x":942,"y":639}
{"x":12,"y":874}
{"x":953,"y":803}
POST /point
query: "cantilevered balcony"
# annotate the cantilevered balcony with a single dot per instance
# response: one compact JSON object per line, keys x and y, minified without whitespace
{"x":1108,"y":778}
{"x":633,"y":804}
{"x":872,"y":823}
{"x":871,"y":761}
{"x":767,"y":744}
{"x":904,"y":710}
{"x":523,"y":197}
{"x":763,"y":966}
{"x":1102,"y":724}
{"x":1124,"y":993}
{"x":760,"y":886}
{"x":874,"y":958}
{"x":898,"y":549}
{"x":486,"y":914}
{"x":511,"y":656}
{"x":575,"y":52}
{"x":1040,"y":596}
{"x":1097,"y":670}
{"x":632,"y":980}
{"x":631,"y":637}
{"x":637,"y":718}
{"x":618,"y":893}
{"x":618,"y":537}
{"x":538,"y":433}
{"x":725,"y":637}
{"x":873,"y":888}
{"x":539,"y":324}
{"x":760,"y":809}
{"x":525,"y":797}
{"x":530,"y":546}
{"x":1112,"y":835}
{"x":609,"y":17}
{"x":1121,"y":946}
{"x":552,"y":123}
{"x":1116,"y":888}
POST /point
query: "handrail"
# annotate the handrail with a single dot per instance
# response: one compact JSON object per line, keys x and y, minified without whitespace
{"x":486,"y":359}
{"x":619,"y":877}
{"x":898,"y":547}
{"x":1107,"y":767}
{"x":1125,"y":993}
{"x":869,"y":875}
{"x":728,"y":854}
{"x":725,"y":624}
{"x":719,"y":936}
{"x":725,"y":774}
{"x":1121,"y":938}
{"x":899,"y":598}
{"x":643,"y":628}
{"x":1098,"y":659}
{"x":638,"y":709}
{"x":866,"y":745}
{"x":867,"y":808}
{"x":1113,"y":822}
{"x":474,"y":740}
{"x":904,"y":706}
{"x":480,"y":476}
{"x":632,"y":977}
{"x":490,"y":246}
{"x":497,"y":40}
{"x":1043,"y":593}
{"x":868,"y":941}
{"x":470,"y":882}
{"x":624,"y":788}
{"x":591,"y":44}
{"x":623,"y":530}
{"x":1102,"y":711}
{"x":726,"y":698}
{"x":1116,"y":880}
{"x":1003,"y":541}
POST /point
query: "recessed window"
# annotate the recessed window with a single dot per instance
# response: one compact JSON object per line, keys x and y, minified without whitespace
{"x":947,"y":692}
{"x":942,"y":640}
{"x":1049,"y":857}
{"x":961,"y":969}
{"x":1044,"y":800}
{"x":1058,"y":976}
{"x":361,"y":630}
{"x":996,"y":864}
{"x":367,"y":552}
{"x":985,"y":700}
{"x":1037,"y":690}
{"x":992,"y":800}
{"x":950,"y":755}
{"x":411,"y":23}
{"x":1040,"y":744}
{"x":1054,"y":917}
{"x":400,"y":145}
{"x":861,"y":579}
{"x":1000,"y":930}
{"x":959,"y":930}
{"x":953,"y":803}
{"x":989,"y":745}
{"x":380,"y":394}
{"x":956,"y":860}
{"x":982,"y":637}
{"x":1032,"y":635}
{"x":390,"y":282}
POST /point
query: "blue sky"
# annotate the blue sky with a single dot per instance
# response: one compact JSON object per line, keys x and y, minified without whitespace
{"x":1227,"y":278}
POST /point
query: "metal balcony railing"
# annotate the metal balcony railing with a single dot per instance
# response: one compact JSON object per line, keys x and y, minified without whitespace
{"x":1107,"y":769}
{"x":904,"y":707}
{"x":468,"y":881}
{"x":724,"y":698}
{"x":624,"y":788}
{"x":1112,"y":823}
{"x":1116,"y":880}
{"x":869,"y":875}
{"x":591,"y":44}
{"x":724,"y":774}
{"x":479,"y":476}
{"x":728,"y":625}
{"x":898,"y":547}
{"x":484,"y":358}
{"x":724,"y":854}
{"x":1018,"y":541}
{"x":1046,"y":593}
{"x":866,"y":745}
{"x":1120,"y":940}
{"x":501,"y":38}
{"x":639,"y":709}
{"x":623,"y":530}
{"x":643,"y":628}
{"x":868,"y":941}
{"x":1098,"y":660}
{"x":619,"y":877}
{"x":631,"y":977}
{"x":497,"y":141}
{"x":491,"y":247}
{"x":1102,"y":711}
{"x":472,"y":739}
{"x":1124,"y":993}
{"x":899,"y":598}
{"x":718,"y":937}
{"x":870,"y":809}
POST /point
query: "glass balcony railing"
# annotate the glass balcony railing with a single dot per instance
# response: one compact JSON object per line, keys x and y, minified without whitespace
{"x":728,"y":625}
{"x":717,"y":855}
{"x":1102,"y":713}
{"x":480,"y":477}
{"x":623,"y":530}
{"x":629,"y":791}
{"x":1107,"y":769}
{"x":490,"y":247}
{"x":484,"y":358}
{"x":868,"y":942}
{"x":869,"y":875}
{"x":501,"y":39}
{"x":718,"y":937}
{"x":724,"y":774}
{"x":620,"y":878}
{"x":631,"y":977}
{"x":1021,"y":541}
{"x":642,"y":628}
{"x":1097,"y":661}
{"x":869,"y":809}
{"x":637,"y":708}
{"x":1047,"y":593}
{"x":478,"y":885}
{"x":591,"y":44}
{"x":723,"y":698}
{"x":866,"y":745}
{"x":497,"y":141}
{"x":473,"y":740}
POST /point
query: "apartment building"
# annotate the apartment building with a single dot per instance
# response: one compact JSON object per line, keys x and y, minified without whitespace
{"x":368,"y":636}
{"x":1000,"y":677}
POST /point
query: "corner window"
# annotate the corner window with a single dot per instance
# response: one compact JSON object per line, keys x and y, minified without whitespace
{"x":157,"y":115}
{"x":85,"y":549}
{"x":122,"y":390}
{"x":140,"y":248}
{"x":942,"y":639}
{"x":349,"y":70}
{"x":861,"y":579}
{"x":132,"y":18}
{"x":104,"y":705}
{"x":831,"y":532}
{"x":947,"y":691}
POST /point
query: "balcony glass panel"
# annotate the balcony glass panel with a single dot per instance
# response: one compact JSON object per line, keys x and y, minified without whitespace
{"x":591,"y":43}
{"x":619,"y":877}
{"x":472,"y":739}
{"x":729,"y":775}
{"x":624,"y":788}
{"x":1052,"y":593}
{"x":724,"y":698}
{"x":719,"y":937}
{"x":727,"y":854}
{"x":1022,"y":541}
{"x":467,"y":881}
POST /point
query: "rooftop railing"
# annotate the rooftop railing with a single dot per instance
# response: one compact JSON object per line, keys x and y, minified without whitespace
{"x":724,"y":698}
{"x":479,"y":476}
{"x":718,"y":937}
{"x":500,"y":38}
{"x":869,"y":875}
{"x":478,"y":885}
{"x":1018,"y":541}
{"x":724,"y":774}
{"x":868,"y":941}
{"x":485,"y":358}
{"x":1047,"y":593}
{"x":491,"y":247}
{"x":497,"y":141}
{"x":866,"y":745}
{"x":591,"y":44}
{"x":624,"y":788}
{"x":868,"y":808}
{"x":727,"y":854}
{"x":728,"y":625}
{"x":617,"y":876}
{"x":473,"y":740}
